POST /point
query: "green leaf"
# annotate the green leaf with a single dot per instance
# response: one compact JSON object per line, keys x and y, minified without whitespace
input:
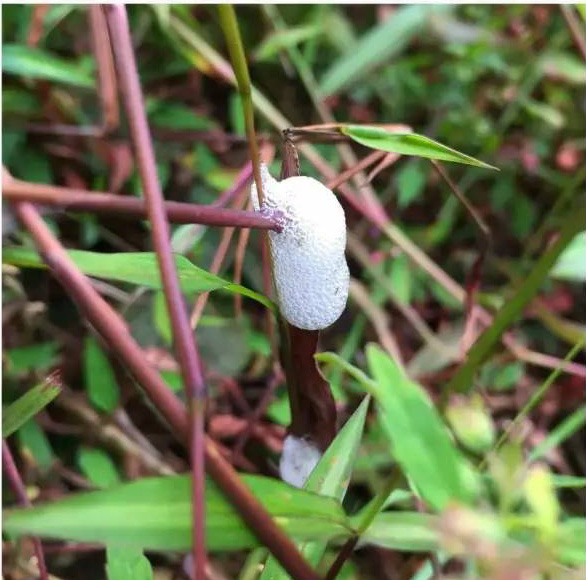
{"x":377,"y":47}
{"x":566,"y":66}
{"x":282,"y":39}
{"x":570,"y":540}
{"x":127,"y":564}
{"x":411,"y":182}
{"x":161,"y":318}
{"x":19,"y":102}
{"x":155,"y":514}
{"x":24,"y":408}
{"x":36,"y":63}
{"x":569,"y":481}
{"x":38,"y":357}
{"x":421,"y":444}
{"x":330,"y":477}
{"x":570,"y":265}
{"x":541,"y":497}
{"x":140,"y":268}
{"x":176,"y":116}
{"x":98,"y":467}
{"x":407,"y":144}
{"x":100,"y":380}
{"x":404,"y":531}
{"x":34,"y":442}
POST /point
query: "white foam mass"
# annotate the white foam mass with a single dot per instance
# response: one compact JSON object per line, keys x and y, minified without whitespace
{"x":298,"y":459}
{"x":310,"y":271}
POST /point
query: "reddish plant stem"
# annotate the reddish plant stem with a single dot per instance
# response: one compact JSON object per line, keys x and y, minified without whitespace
{"x":256,"y":414}
{"x":107,"y":86}
{"x":217,"y":262}
{"x":115,"y":332}
{"x":341,"y":558}
{"x":576,"y":29}
{"x":19,"y":489}
{"x":184,"y":339}
{"x":102,"y":202}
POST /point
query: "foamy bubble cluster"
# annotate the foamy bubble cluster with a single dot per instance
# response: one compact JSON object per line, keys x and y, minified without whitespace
{"x":310,"y":271}
{"x":298,"y":459}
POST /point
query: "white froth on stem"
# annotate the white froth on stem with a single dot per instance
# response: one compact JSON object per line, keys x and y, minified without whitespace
{"x":298,"y":459}
{"x":310,"y":271}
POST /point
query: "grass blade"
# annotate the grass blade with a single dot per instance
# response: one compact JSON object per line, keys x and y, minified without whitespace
{"x":138,"y":268}
{"x":18,"y":413}
{"x":36,"y":63}
{"x":155,"y":514}
{"x":378,"y":47}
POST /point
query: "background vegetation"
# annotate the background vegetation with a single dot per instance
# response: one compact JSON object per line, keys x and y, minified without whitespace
{"x":502,"y":495}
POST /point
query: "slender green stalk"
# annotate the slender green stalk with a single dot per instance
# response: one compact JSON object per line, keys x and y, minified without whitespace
{"x":513,"y":308}
{"x":374,"y":506}
{"x":535,"y":399}
{"x":238,"y":58}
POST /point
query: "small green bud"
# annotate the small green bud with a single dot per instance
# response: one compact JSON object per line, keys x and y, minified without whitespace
{"x":471,"y":424}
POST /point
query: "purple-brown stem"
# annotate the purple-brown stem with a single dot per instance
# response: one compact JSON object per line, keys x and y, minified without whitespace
{"x":184,"y":339}
{"x":103,"y":202}
{"x":107,"y":86}
{"x":115,"y":332}
{"x":17,"y":486}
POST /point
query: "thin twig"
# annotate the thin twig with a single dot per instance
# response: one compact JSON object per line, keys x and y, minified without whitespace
{"x":379,"y":320}
{"x":474,"y":278}
{"x":184,"y":340}
{"x":102,"y":202}
{"x":116,"y":333}
{"x":576,"y":29}
{"x":364,"y":163}
{"x":110,"y":434}
{"x":239,"y":255}
{"x":20,"y":491}
{"x":107,"y":85}
{"x":218,"y":260}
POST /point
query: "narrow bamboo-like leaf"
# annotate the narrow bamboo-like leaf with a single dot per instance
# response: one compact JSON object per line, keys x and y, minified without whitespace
{"x":138,"y":268}
{"x":404,"y":531}
{"x":378,"y":46}
{"x":560,"y":433}
{"x":36,"y":63}
{"x":155,"y":514}
{"x":97,"y":466}
{"x":100,"y":380}
{"x":280,"y":40}
{"x":330,"y":477}
{"x":421,"y":443}
{"x":20,"y":411}
{"x":408,"y":144}
{"x":127,"y":564}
